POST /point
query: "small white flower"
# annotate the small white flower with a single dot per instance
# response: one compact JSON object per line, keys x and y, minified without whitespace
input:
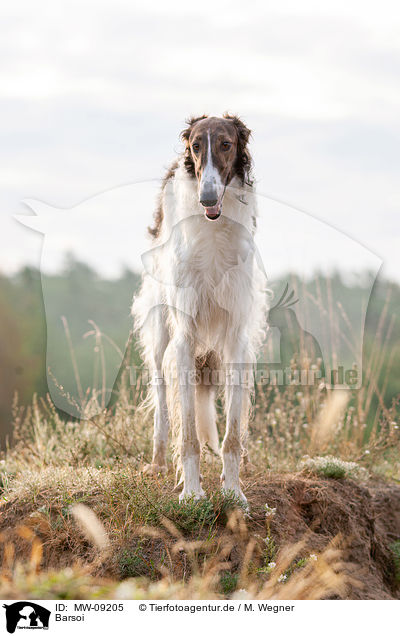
{"x":272,"y":565}
{"x":313,"y":557}
{"x":240,"y":594}
{"x":282,"y":578}
{"x":269,"y":512}
{"x":367,"y":452}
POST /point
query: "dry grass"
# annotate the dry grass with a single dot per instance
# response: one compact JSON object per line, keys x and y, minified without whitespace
{"x":80,"y":520}
{"x":111,"y":532}
{"x":296,"y":422}
{"x":146,"y":546}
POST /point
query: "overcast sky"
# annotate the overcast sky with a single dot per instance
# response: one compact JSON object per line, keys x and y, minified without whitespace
{"x":93,"y":96}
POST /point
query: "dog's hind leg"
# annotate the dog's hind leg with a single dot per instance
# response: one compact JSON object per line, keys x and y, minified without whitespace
{"x":190,"y":447}
{"x":235,"y":399}
{"x":232,"y":447}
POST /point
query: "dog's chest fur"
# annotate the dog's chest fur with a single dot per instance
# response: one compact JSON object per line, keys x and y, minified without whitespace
{"x":212,"y":266}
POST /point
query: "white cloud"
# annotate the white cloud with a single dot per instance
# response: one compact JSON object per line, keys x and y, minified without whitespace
{"x":94,"y":94}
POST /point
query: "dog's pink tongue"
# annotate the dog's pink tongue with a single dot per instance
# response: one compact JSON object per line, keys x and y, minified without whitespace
{"x":212,"y":213}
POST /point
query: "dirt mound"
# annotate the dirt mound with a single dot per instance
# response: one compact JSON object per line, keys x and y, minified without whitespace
{"x":367,"y":516}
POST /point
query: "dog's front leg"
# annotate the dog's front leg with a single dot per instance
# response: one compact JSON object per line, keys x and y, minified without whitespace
{"x":231,"y":446}
{"x":190,"y":446}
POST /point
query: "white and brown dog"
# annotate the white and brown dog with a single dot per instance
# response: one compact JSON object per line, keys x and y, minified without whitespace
{"x":203,"y":303}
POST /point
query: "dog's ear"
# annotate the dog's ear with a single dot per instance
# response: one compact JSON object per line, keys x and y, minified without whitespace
{"x":185,"y":135}
{"x":241,"y":128}
{"x":243,"y":159}
{"x":190,"y":122}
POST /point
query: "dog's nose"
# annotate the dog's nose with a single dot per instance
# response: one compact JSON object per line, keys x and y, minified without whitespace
{"x":208,"y":203}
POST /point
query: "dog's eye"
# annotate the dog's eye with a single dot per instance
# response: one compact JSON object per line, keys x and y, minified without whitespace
{"x":226,"y":145}
{"x":195,"y":148}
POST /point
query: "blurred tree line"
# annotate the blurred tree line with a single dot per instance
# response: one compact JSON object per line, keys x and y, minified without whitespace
{"x":23,"y":332}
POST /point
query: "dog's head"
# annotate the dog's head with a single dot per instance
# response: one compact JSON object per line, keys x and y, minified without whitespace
{"x":216,"y":152}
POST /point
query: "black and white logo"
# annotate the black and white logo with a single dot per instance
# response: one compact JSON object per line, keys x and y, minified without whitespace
{"x":26,"y":615}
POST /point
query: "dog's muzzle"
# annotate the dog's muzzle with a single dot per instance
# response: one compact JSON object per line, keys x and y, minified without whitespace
{"x":212,"y":207}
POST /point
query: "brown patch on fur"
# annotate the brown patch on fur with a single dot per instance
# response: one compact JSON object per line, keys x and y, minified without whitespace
{"x":210,"y":360}
{"x":231,"y":444}
{"x":243,"y":158}
{"x":230,"y":160}
{"x":190,"y":446}
{"x":205,"y":365}
{"x":185,"y":134}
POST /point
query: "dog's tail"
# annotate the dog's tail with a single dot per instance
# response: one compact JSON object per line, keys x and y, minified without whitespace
{"x":207,"y":367}
{"x":206,"y":417}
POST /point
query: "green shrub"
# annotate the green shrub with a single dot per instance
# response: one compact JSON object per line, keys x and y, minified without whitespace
{"x":228,"y":583}
{"x":332,"y":467}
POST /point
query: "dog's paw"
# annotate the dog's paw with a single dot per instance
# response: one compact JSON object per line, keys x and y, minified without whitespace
{"x":236,"y":490}
{"x":238,"y":494}
{"x":191,"y":494}
{"x":154,"y":469}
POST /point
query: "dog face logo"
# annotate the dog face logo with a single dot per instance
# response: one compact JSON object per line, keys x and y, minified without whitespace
{"x":26,"y":615}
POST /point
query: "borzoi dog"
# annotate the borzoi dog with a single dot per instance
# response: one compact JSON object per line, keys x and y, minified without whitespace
{"x":202,"y":304}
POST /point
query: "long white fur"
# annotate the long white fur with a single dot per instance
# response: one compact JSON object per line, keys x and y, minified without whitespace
{"x":205,"y":291}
